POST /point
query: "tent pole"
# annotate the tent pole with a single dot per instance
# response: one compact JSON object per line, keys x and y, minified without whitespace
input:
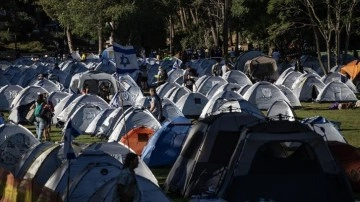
{"x":68,"y":182}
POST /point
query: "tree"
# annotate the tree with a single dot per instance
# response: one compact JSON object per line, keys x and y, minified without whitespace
{"x":59,"y":10}
{"x":324,"y":17}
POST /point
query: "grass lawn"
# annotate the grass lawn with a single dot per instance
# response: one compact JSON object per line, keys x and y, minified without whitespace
{"x":349,"y":120}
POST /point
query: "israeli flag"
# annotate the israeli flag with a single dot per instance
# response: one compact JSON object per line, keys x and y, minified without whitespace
{"x":177,"y":63}
{"x":125,"y":58}
{"x":115,"y":101}
{"x":76,"y":56}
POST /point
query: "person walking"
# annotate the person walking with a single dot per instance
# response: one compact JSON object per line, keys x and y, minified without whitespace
{"x":126,"y":188}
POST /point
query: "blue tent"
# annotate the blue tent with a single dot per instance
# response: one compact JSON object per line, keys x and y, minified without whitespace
{"x":165,"y":145}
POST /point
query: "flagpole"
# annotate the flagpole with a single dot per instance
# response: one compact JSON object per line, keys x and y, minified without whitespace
{"x":68,"y":181}
{"x":69,"y":152}
{"x":122,"y":108}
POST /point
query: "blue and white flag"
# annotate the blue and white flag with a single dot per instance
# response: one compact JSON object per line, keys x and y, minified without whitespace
{"x":76,"y":56}
{"x":125,"y":58}
{"x":115,"y":101}
{"x":177,"y":63}
{"x":69,"y":133}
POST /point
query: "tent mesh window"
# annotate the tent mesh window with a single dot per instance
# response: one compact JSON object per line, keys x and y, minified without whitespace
{"x":143,"y":137}
{"x":224,"y":147}
{"x":189,"y":150}
{"x":285,"y":157}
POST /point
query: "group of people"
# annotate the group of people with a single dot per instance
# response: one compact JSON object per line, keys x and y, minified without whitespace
{"x":43,"y":111}
{"x":104,"y":91}
{"x":219,"y":70}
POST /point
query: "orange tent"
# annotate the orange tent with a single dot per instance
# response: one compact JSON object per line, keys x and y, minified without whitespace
{"x":137,"y":138}
{"x":352,"y":69}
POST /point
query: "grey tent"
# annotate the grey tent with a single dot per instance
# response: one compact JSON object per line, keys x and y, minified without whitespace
{"x":164,"y":88}
{"x":208,"y":82}
{"x":170,"y":110}
{"x":287,"y":156}
{"x":281,"y":110}
{"x":227,"y":101}
{"x":307,"y":87}
{"x":293,"y":99}
{"x":238,"y":77}
{"x":336,"y":91}
{"x":287,"y":78}
{"x":7,"y":95}
{"x":336,"y":76}
{"x":80,"y":101}
{"x":60,"y":106}
{"x":15,"y":140}
{"x":222,"y":87}
{"x":96,"y":123}
{"x":263,"y":94}
{"x":56,"y":96}
{"x":204,"y":158}
{"x":325,"y":128}
{"x":192,"y":104}
{"x":132,"y":117}
{"x":176,"y":93}
{"x":22,"y":103}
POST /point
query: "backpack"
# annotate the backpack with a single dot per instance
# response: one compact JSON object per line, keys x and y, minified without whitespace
{"x":38,"y":110}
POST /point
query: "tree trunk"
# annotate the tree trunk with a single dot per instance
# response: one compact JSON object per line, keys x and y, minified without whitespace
{"x":170,"y":35}
{"x":213,"y":28}
{"x":182,"y":20}
{"x":337,"y":32}
{"x":69,"y":40}
{"x":100,"y":43}
{"x":318,"y":51}
{"x":112,"y":34}
{"x":348,"y":25}
{"x":237,"y":44}
{"x":226,"y":29}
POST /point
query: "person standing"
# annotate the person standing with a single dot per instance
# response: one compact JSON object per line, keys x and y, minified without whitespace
{"x":104,"y":92}
{"x":2,"y":118}
{"x":224,"y":69}
{"x":85,"y":90}
{"x":162,"y":76}
{"x":126,"y":189}
{"x":47,"y":114}
{"x":40,"y":122}
{"x":276,"y":55}
{"x":189,"y":82}
{"x":155,"y":104}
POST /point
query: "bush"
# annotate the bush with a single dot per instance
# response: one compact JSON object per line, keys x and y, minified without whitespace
{"x":32,"y":46}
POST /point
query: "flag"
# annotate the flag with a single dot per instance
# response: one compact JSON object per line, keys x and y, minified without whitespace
{"x":69,"y":133}
{"x":177,"y":63}
{"x":115,"y":101}
{"x":125,"y":58}
{"x":76,"y":56}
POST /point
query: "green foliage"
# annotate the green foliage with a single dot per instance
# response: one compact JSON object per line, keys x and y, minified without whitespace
{"x":145,"y":26}
{"x":29,"y":47}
